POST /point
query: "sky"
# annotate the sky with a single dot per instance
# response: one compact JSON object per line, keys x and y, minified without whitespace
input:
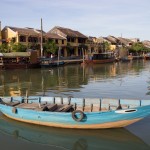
{"x":126,"y":18}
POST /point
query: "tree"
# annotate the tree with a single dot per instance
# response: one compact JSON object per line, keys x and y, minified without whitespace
{"x":4,"y":48}
{"x":138,"y":47}
{"x":69,"y":49}
{"x":83,"y":46}
{"x":51,"y":47}
{"x":19,"y":47}
{"x":106,"y":46}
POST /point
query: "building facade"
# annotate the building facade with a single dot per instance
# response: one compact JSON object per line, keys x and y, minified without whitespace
{"x":74,"y":40}
{"x":68,"y":40}
{"x":26,"y":36}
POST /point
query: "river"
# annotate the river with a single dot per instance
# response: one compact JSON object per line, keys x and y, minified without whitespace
{"x":129,"y":80}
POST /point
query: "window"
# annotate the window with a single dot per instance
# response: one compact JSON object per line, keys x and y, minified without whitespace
{"x":22,"y":39}
{"x":56,"y":41}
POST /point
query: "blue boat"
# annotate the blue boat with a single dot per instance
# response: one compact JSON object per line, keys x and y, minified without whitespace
{"x":77,"y":113}
{"x":48,"y":62}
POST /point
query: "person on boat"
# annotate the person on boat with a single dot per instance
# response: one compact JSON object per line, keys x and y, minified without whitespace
{"x":51,"y":56}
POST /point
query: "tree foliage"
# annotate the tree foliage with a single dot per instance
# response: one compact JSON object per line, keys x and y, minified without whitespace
{"x":51,"y":47}
{"x":138,"y":47}
{"x":12,"y":47}
{"x":69,"y":48}
{"x":83,"y":46}
{"x":106,"y":46}
{"x":18,"y":47}
{"x":4,"y":48}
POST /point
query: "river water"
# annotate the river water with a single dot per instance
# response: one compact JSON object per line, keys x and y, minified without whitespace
{"x":129,"y":80}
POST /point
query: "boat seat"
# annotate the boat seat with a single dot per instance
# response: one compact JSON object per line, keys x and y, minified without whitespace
{"x":119,"y":107}
{"x":64,"y":108}
{"x":11,"y":103}
{"x":46,"y":107}
{"x":51,"y":107}
{"x":14,"y":103}
{"x":33,"y":106}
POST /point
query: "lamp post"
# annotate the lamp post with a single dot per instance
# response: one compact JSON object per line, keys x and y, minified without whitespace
{"x":58,"y":55}
{"x":83,"y":54}
{"x":41,"y":39}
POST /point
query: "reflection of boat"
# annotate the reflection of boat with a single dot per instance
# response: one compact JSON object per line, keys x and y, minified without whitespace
{"x":83,"y":113}
{"x":99,"y":58}
{"x":70,"y":139}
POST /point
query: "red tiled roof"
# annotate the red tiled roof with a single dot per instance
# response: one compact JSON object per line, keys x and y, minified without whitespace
{"x":26,"y":31}
{"x":71,"y":33}
{"x":54,"y":36}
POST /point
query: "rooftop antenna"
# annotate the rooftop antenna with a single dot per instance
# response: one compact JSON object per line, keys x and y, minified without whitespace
{"x":41,"y":39}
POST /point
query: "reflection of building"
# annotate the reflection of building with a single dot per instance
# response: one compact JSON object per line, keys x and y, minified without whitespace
{"x":15,"y":92}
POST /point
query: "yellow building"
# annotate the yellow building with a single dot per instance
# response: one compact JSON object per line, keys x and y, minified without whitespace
{"x":73,"y":38}
{"x":63,"y":37}
{"x":60,"y":41}
{"x":25,"y":36}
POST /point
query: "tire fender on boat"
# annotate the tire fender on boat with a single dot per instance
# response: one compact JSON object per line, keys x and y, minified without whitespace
{"x":81,"y":115}
{"x":14,"y":110}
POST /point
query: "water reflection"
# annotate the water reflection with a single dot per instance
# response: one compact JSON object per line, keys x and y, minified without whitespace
{"x":102,"y":80}
{"x":56,"y":138}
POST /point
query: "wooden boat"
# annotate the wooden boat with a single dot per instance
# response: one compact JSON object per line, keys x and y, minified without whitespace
{"x":147,"y":56}
{"x":81,"y":113}
{"x":127,"y":58}
{"x":99,"y":58}
{"x":19,"y":60}
{"x":72,"y":139}
{"x":48,"y":62}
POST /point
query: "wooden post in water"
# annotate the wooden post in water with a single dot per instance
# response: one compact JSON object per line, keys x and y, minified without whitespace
{"x":58,"y":55}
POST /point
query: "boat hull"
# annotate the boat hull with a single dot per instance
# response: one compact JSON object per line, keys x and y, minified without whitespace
{"x":52,"y":65}
{"x":91,"y":120}
{"x":20,"y":66}
{"x":117,"y":124}
{"x":99,"y":61}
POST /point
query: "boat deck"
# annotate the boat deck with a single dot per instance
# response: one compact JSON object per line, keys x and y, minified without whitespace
{"x":59,"y":104}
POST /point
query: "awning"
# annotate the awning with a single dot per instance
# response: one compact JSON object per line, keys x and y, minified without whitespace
{"x":17,"y":54}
